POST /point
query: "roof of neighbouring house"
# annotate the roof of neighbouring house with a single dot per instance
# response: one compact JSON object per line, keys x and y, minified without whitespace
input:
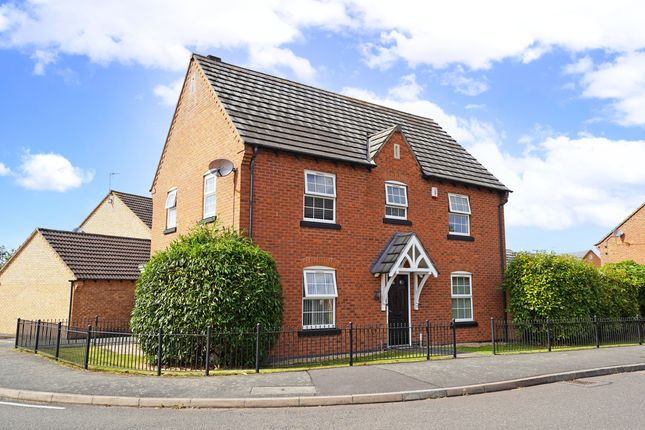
{"x":96,"y":256}
{"x":140,"y":205}
{"x":621,"y":223}
{"x":277,"y":113}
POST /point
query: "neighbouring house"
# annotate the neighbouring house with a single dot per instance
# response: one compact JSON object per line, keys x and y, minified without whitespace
{"x":373,"y":215}
{"x":120,"y":214}
{"x":626,"y":241}
{"x":588,"y":256}
{"x":79,"y":275}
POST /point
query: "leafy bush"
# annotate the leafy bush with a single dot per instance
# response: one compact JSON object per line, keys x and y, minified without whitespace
{"x":552,"y":286}
{"x":209,"y":278}
{"x":632,"y":274}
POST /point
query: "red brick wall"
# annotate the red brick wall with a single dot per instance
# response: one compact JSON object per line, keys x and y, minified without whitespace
{"x":279,"y":188}
{"x":109,"y":300}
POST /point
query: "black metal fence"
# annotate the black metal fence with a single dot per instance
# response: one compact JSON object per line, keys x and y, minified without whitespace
{"x":111,"y":344}
{"x":246,"y":350}
{"x":548,"y":335}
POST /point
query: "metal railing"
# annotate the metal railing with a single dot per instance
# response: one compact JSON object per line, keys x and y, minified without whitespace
{"x":211,"y":350}
{"x":246,"y":350}
{"x":549,"y":335}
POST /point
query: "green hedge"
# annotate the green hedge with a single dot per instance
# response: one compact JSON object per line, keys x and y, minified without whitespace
{"x":545,"y":285}
{"x":209,"y":278}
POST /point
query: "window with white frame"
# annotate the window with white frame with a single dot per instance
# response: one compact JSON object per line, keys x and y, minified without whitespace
{"x":459,"y":214}
{"x":319,"y":298}
{"x":396,"y":200}
{"x":209,"y":195}
{"x":171,"y":208}
{"x":320,"y":197}
{"x":462,"y":296}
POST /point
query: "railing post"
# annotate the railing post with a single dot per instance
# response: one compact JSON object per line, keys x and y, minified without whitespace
{"x":639,"y":323}
{"x":96,"y":327}
{"x":58,"y":330}
{"x":88,"y":341}
{"x":208,"y":351}
{"x":454,"y":338}
{"x":428,"y":340}
{"x":548,"y":334}
{"x":37,"y":337}
{"x":595,"y":323}
{"x":159,"y":350}
{"x":257,"y":348}
{"x":17,"y":333}
{"x":492,"y":334}
{"x":351,"y":344}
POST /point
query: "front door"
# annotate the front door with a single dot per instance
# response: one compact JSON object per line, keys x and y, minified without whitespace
{"x":398,"y":312}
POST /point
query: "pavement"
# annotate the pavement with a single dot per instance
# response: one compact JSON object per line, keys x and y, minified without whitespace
{"x":27,"y":376}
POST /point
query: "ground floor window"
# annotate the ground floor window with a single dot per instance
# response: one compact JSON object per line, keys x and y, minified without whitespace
{"x":462,"y":296}
{"x":319,"y":298}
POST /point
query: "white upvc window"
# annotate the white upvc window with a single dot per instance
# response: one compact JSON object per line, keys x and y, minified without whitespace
{"x":461,"y":291}
{"x":319,"y":298}
{"x":320,"y":197}
{"x":171,"y":208}
{"x":209,"y":195}
{"x":459,"y":214}
{"x":396,"y":200}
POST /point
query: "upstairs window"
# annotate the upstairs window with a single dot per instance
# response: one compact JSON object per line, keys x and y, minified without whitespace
{"x":459,"y":216}
{"x":209,"y":196}
{"x":171,"y":208}
{"x":462,"y":296}
{"x":396,"y":200}
{"x":320,"y":197}
{"x":319,"y":298}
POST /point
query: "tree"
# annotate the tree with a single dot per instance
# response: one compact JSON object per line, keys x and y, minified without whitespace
{"x":209,"y":278}
{"x":5,"y":255}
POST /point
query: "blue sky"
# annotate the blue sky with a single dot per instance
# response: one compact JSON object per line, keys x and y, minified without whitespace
{"x":551,"y":100}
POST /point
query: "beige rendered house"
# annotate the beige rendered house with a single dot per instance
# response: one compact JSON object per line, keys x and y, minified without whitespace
{"x":73,"y":275}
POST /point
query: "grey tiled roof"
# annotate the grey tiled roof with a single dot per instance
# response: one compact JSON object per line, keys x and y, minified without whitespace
{"x":391,"y":252}
{"x":140,"y":205}
{"x":281,"y":114}
{"x":96,"y":256}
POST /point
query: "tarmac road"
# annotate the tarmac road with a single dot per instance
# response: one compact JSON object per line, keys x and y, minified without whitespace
{"x":607,"y":402}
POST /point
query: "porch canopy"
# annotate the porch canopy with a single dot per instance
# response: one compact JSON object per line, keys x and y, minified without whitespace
{"x":403,"y":255}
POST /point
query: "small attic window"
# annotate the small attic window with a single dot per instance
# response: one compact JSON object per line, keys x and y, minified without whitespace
{"x":193,"y":84}
{"x":397,"y":151}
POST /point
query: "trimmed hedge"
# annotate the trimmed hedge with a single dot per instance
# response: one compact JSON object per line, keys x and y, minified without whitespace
{"x":209,"y":278}
{"x":545,"y":285}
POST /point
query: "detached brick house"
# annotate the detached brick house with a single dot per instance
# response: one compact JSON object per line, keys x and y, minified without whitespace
{"x":373,"y":215}
{"x":626,"y":241}
{"x":78,"y":275}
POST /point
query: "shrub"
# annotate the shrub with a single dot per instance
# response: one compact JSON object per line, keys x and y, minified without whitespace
{"x":632,"y":276}
{"x":209,"y":278}
{"x":545,"y":285}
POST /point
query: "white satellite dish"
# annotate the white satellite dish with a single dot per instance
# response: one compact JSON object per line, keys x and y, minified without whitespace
{"x":221,"y":167}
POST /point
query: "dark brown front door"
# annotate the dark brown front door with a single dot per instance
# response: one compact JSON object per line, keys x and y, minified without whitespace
{"x":398,"y":313}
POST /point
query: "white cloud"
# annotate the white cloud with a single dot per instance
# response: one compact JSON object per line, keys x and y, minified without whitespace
{"x":169,"y":94}
{"x":4,"y":170}
{"x":558,"y":181}
{"x":622,"y":81}
{"x":408,"y":89}
{"x":476,"y":33}
{"x":464,"y":84}
{"x":583,"y":65}
{"x":272,"y":58}
{"x":51,"y":172}
{"x":161,"y":34}
{"x":569,"y":181}
{"x":42,"y":59}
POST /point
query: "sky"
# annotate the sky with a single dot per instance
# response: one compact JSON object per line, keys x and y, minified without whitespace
{"x":549,"y":96}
